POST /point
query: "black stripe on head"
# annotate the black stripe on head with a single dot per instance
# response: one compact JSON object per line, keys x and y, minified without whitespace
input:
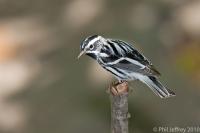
{"x":87,"y":40}
{"x":92,"y":37}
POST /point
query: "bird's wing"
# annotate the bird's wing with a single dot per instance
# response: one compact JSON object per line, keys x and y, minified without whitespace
{"x":132,"y":60}
{"x":129,"y":66}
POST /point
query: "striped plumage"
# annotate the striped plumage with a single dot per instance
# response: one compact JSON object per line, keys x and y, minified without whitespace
{"x":124,"y":62}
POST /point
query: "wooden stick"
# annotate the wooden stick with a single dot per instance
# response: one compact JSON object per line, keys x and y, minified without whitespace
{"x":119,"y":107}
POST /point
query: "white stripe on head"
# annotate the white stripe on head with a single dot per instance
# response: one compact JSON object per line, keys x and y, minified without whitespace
{"x":93,"y":41}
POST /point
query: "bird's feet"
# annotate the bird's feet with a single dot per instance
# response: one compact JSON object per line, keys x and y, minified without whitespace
{"x":119,"y":87}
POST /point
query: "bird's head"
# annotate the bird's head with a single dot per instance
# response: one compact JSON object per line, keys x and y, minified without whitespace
{"x":92,"y":46}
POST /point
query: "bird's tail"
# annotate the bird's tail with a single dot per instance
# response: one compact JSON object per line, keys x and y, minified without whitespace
{"x":156,"y":86}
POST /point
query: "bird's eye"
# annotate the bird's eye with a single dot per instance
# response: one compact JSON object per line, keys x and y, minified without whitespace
{"x":91,"y":47}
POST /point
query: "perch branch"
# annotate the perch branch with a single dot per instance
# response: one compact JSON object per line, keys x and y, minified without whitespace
{"x":119,"y":107}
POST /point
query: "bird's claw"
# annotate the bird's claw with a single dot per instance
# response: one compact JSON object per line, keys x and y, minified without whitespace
{"x":118,"y":87}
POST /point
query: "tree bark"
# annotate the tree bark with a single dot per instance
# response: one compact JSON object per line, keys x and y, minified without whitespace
{"x":119,"y":107}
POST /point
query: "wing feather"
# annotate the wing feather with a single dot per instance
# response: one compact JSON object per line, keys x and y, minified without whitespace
{"x":129,"y":52}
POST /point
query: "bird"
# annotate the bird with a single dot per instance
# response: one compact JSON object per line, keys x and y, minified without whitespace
{"x":124,"y":61}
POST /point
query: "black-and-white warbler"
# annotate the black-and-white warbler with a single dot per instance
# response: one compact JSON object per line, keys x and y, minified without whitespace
{"x":124,"y":62}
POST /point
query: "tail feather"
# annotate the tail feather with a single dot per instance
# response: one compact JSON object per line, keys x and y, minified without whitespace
{"x":156,"y":86}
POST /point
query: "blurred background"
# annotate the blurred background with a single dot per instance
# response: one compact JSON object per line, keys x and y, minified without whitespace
{"x":44,"y":89}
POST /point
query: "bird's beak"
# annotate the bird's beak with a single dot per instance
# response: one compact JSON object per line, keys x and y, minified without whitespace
{"x":82,"y":53}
